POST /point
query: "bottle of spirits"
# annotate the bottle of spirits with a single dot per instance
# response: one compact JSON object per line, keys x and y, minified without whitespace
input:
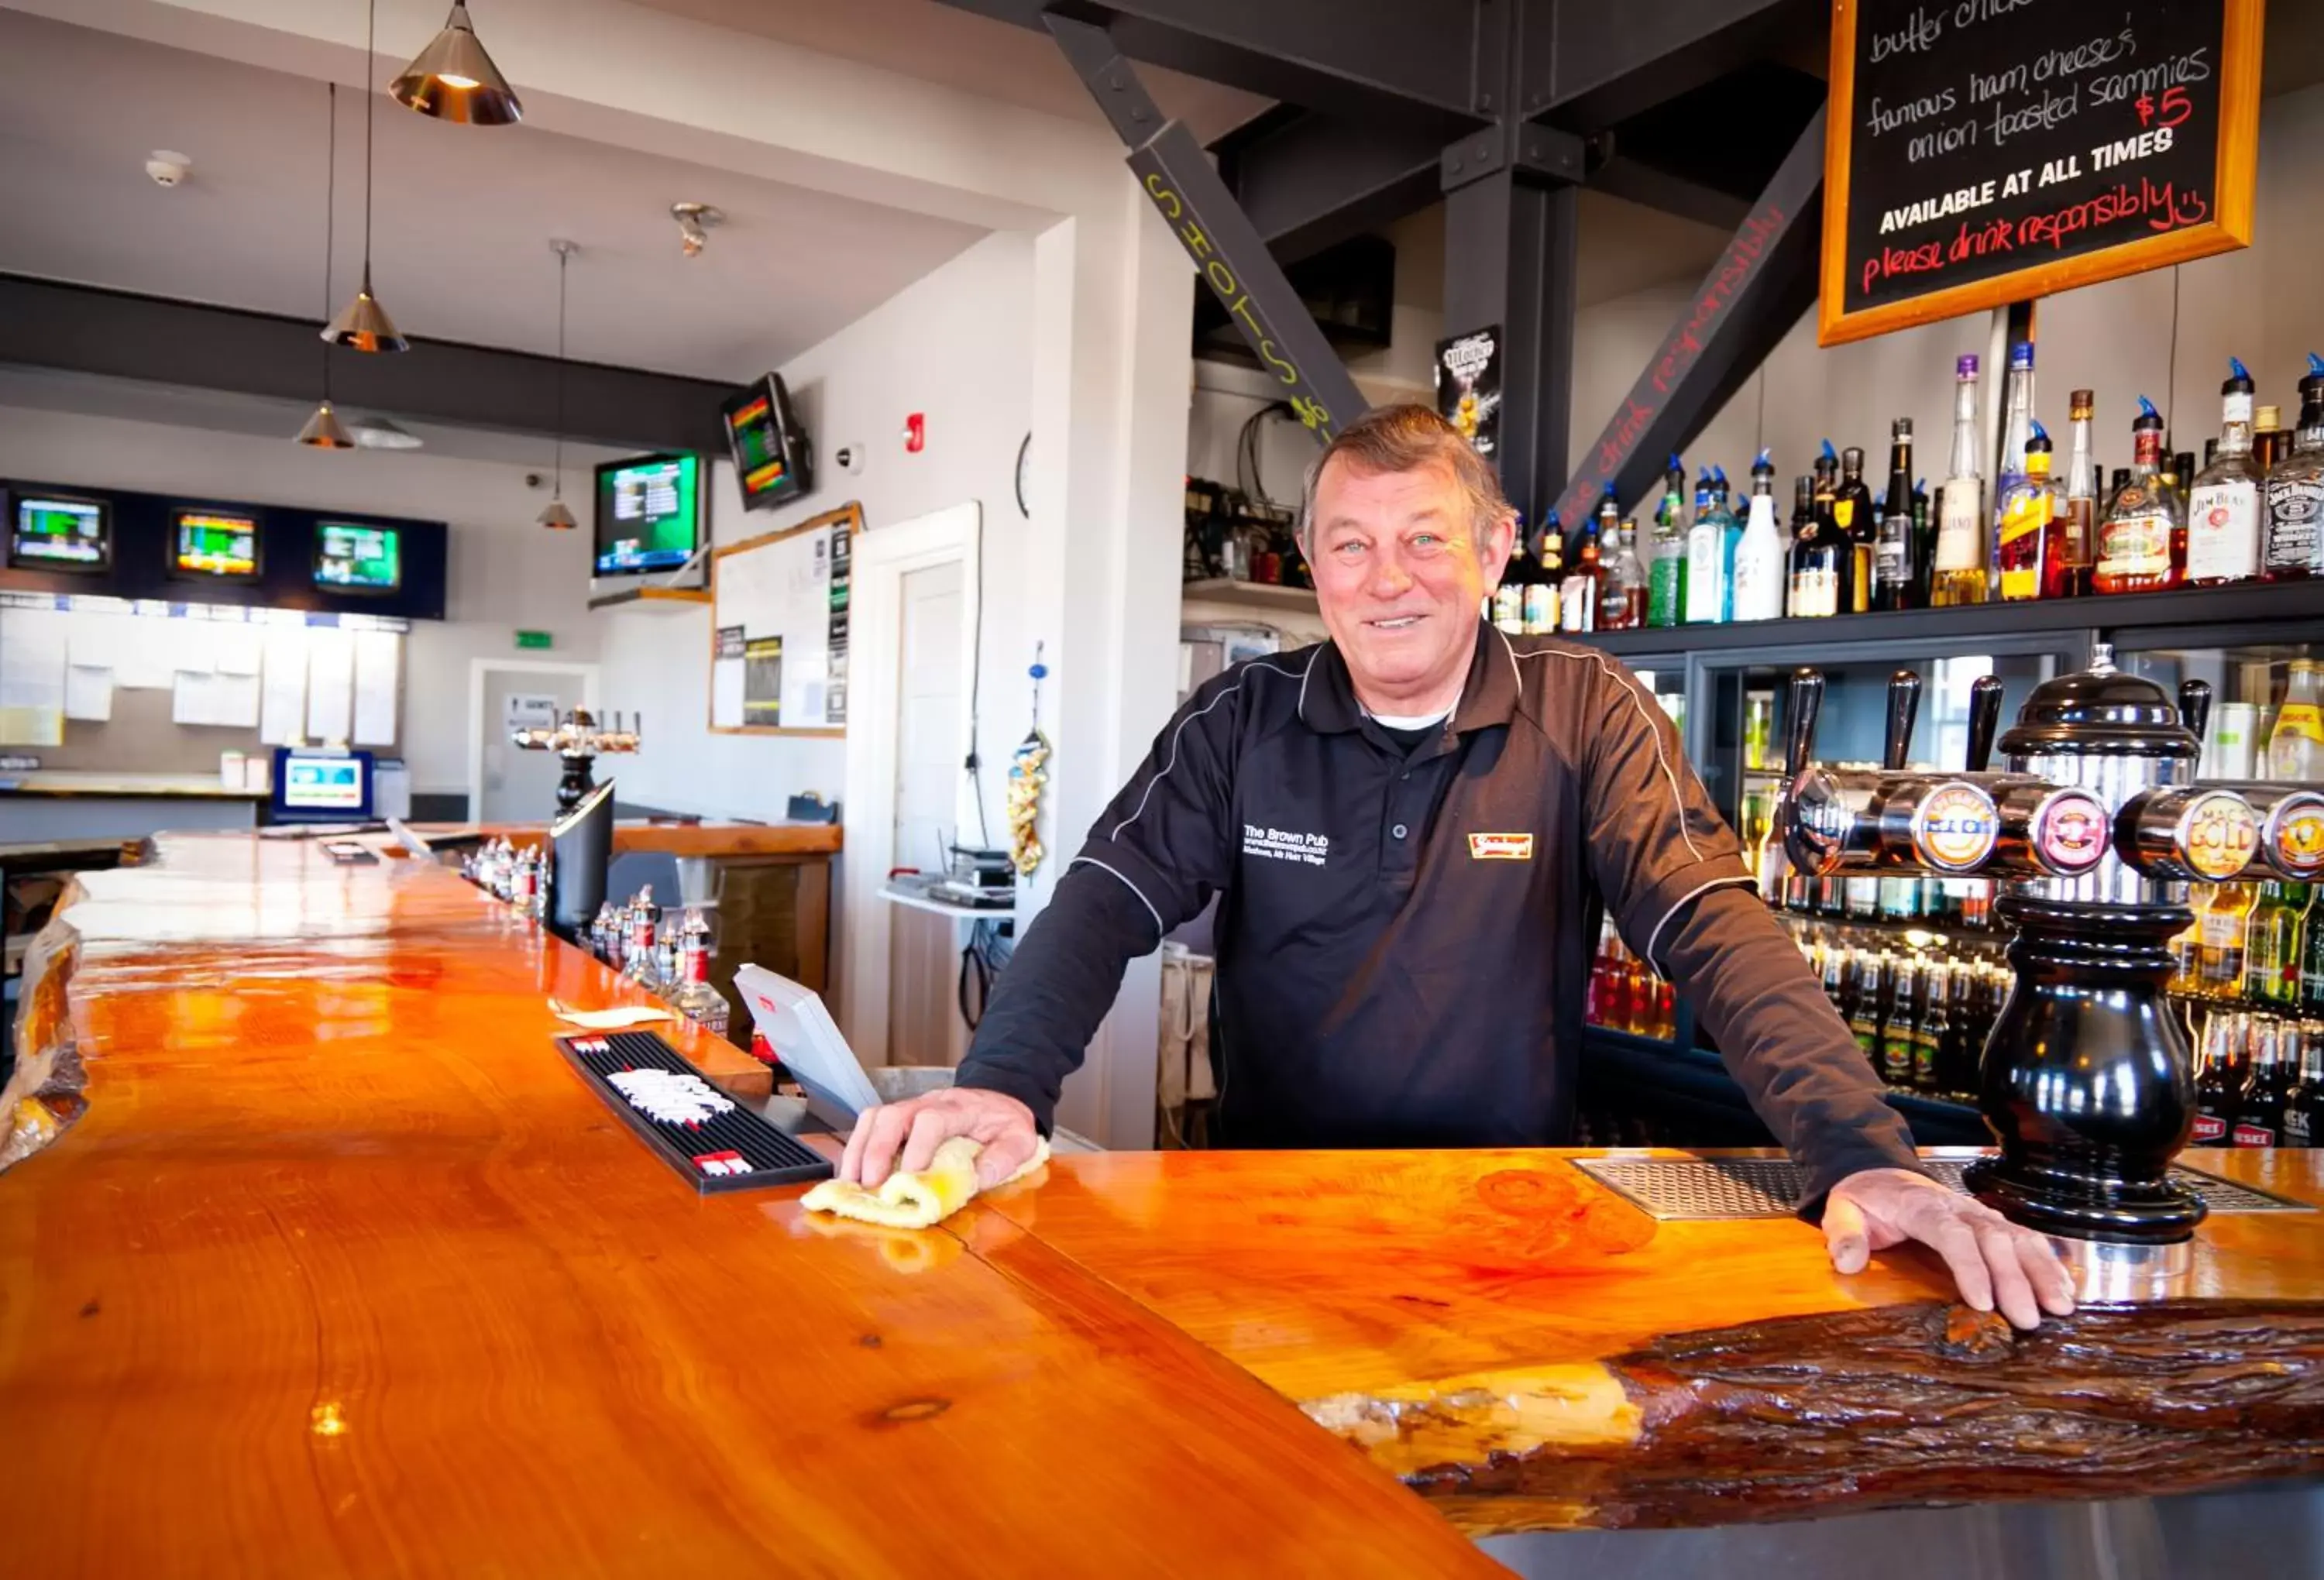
{"x":1613,"y":607}
{"x":2223,"y":509}
{"x":1731,"y":513}
{"x":2295,"y":550}
{"x":2016,"y":428}
{"x":1820,"y":557}
{"x":2219,"y":966}
{"x":1801,"y":525}
{"x":1892,"y":549}
{"x":694,"y":997}
{"x":2072,"y":537}
{"x":1622,"y":603}
{"x":638,"y":962}
{"x":1666,"y":570}
{"x":2295,"y":746}
{"x":1959,"y":571}
{"x":603,"y":934}
{"x":2270,"y":441}
{"x":1706,"y":546}
{"x":1577,"y":601}
{"x":1759,"y":557}
{"x":2271,"y":944}
{"x":1924,"y":544}
{"x":1509,"y":597}
{"x":2179,"y":472}
{"x":1851,"y":513}
{"x":2027,"y":506}
{"x":1546,"y":590}
{"x":2134,"y":545}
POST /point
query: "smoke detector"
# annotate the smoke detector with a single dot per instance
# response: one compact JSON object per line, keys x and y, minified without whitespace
{"x":168,"y":167}
{"x":695,"y":221}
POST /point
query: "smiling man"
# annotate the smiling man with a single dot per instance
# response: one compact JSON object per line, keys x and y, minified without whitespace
{"x":1414,"y":829}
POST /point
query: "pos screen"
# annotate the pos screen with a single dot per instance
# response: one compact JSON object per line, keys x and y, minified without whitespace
{"x":321,"y":786}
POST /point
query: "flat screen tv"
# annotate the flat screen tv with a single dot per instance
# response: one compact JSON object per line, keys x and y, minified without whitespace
{"x":58,"y":532}
{"x":352,"y":556}
{"x":223,"y":543}
{"x":648,"y":514}
{"x":773,"y":460}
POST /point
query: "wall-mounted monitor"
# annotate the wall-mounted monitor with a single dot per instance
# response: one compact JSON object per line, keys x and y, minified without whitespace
{"x":773,"y":459}
{"x":321,"y":786}
{"x":213,"y":543}
{"x":58,"y":532}
{"x":352,"y":556}
{"x":648,"y":514}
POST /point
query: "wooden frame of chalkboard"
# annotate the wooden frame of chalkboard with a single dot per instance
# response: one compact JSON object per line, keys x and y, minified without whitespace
{"x":852,"y":515}
{"x":1944,"y":84}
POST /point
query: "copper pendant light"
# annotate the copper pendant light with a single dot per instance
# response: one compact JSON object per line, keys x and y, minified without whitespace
{"x":554,"y":515}
{"x":365,"y":325}
{"x":322,"y":431}
{"x":453,"y":80}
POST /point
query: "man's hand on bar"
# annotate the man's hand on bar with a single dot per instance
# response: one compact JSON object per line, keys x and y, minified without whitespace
{"x":999,"y":1122}
{"x":1995,"y":1263}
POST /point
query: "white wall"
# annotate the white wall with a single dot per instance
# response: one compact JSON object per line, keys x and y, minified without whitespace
{"x":956,"y":346}
{"x":505,"y":574}
{"x":2260,"y":303}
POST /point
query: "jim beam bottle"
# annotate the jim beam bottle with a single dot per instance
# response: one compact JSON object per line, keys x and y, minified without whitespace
{"x":2223,"y":506}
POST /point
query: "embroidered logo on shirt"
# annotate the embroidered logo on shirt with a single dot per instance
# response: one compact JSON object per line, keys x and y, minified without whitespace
{"x":1283,"y":845}
{"x":1500,"y":847}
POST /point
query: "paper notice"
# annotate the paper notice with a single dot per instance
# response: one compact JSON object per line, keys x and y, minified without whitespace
{"x":88,"y":693}
{"x":138,"y":649}
{"x":283,"y":710}
{"x":726,"y":692}
{"x":330,"y":685}
{"x":239,"y":650}
{"x":378,"y":673}
{"x":33,"y":643}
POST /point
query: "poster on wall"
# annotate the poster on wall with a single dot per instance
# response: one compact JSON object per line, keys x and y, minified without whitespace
{"x":726,"y":664}
{"x":1469,"y":387}
{"x":762,"y":680}
{"x":1978,"y":155}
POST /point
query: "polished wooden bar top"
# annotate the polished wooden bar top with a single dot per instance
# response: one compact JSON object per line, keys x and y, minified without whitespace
{"x":676,"y":838}
{"x":343,"y":1270}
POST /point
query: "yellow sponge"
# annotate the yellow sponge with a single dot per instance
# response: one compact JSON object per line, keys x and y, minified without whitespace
{"x":917,"y":1200}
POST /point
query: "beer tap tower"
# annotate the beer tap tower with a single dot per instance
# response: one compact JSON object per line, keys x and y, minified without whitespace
{"x":580,"y":740}
{"x":2093,"y":832}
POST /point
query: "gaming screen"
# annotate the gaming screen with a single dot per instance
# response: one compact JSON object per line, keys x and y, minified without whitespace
{"x":61,"y":534}
{"x":648,"y":514}
{"x":770,"y":453}
{"x":211,"y":542}
{"x":354,"y":558}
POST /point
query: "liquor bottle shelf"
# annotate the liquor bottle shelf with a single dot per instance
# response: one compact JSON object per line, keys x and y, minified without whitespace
{"x":2197,"y":606}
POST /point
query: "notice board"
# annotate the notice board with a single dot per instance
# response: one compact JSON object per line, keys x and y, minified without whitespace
{"x":779,"y":628}
{"x":1986,"y":152}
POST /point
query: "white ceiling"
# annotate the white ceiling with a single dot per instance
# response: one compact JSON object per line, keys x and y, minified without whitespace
{"x":942,"y":43}
{"x":462,"y":219}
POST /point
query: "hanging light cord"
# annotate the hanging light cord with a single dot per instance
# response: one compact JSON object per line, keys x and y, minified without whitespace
{"x":564,"y":256}
{"x":371,"y":44}
{"x":330,"y":215}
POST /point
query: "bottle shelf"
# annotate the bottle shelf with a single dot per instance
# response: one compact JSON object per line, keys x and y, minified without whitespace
{"x":2194,"y":606}
{"x":1247,"y":594}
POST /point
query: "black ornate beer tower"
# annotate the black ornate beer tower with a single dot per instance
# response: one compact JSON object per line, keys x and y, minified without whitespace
{"x":580,"y":740}
{"x":2093,"y":832}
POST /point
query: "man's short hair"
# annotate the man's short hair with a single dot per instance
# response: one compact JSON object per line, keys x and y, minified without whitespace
{"x":1404,"y":438}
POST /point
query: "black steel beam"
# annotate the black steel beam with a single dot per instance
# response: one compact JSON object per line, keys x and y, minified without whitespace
{"x":1361,"y":56}
{"x":1308,"y":180}
{"x":1608,"y":62}
{"x":1754,"y":292}
{"x":1652,"y":186}
{"x":1176,"y":176}
{"x":79,"y":328}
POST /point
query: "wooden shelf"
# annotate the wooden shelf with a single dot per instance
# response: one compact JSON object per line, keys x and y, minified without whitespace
{"x":668,"y":599}
{"x":2246,"y":603}
{"x":1247,"y":594}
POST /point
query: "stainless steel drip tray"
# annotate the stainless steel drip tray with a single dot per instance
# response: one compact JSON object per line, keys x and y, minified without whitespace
{"x":1756,"y":1187}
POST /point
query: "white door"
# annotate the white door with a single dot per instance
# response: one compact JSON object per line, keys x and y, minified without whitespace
{"x":519,"y":785}
{"x":924,"y":1023}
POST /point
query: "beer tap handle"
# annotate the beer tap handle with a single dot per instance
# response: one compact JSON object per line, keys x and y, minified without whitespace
{"x":1904,"y":707}
{"x":1806,"y":704}
{"x":1984,"y":720}
{"x":2195,"y":706}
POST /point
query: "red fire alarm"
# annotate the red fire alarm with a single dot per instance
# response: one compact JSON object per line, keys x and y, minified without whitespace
{"x":915,"y":433}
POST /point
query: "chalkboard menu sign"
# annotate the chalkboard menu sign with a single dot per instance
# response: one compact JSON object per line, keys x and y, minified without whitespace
{"x":1986,"y":152}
